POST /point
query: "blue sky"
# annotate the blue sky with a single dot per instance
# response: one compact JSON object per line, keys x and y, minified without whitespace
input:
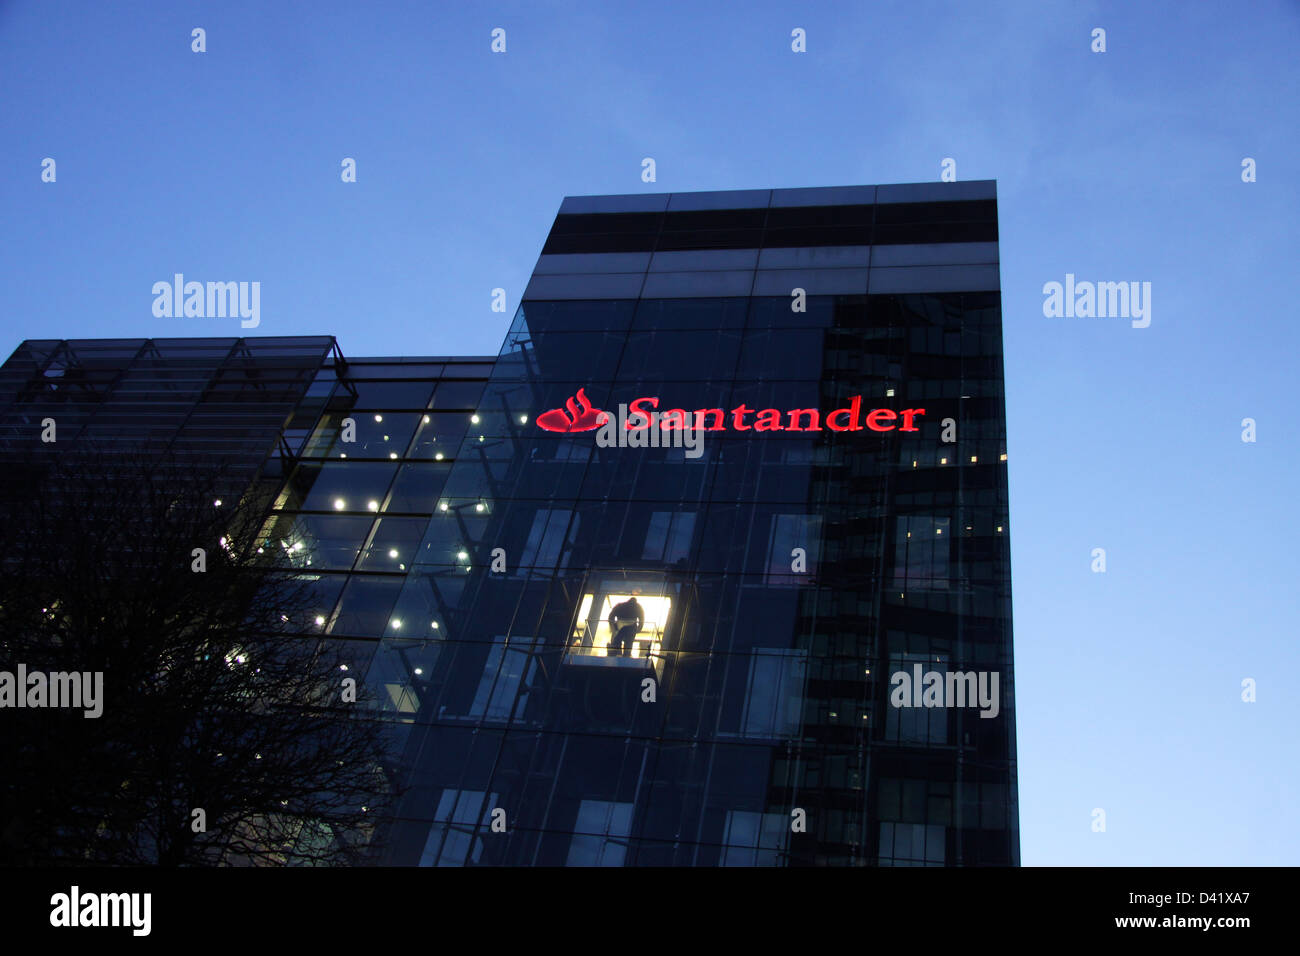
{"x":1123,"y":165}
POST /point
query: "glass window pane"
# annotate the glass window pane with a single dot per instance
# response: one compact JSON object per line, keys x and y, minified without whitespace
{"x":340,"y":486}
{"x":440,"y":433}
{"x":600,"y":834}
{"x":451,"y":840}
{"x":774,"y":707}
{"x":417,"y":487}
{"x":457,"y":394}
{"x":392,"y":395}
{"x":787,"y":533}
{"x":321,"y":542}
{"x":367,"y":605}
{"x":394,"y":545}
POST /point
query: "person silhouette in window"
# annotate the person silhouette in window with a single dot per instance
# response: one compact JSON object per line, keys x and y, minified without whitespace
{"x":625,"y":622}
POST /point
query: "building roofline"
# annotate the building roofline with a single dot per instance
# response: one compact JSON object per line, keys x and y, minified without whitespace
{"x":417,"y":359}
{"x":964,"y":191}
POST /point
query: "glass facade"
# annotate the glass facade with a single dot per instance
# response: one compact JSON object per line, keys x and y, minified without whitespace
{"x":770,"y":737}
{"x":839,"y":535}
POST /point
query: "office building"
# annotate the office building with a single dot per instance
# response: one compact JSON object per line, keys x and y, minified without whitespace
{"x":775,"y":418}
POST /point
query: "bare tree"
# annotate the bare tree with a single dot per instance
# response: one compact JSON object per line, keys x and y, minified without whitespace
{"x":227,"y":733}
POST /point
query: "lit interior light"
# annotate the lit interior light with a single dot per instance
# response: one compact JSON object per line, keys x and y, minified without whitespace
{"x":913,"y":462}
{"x":938,"y":531}
{"x":442,"y":506}
{"x":379,"y":418}
{"x":397,"y":625}
{"x":523,"y":419}
{"x":972,"y":458}
{"x":372,"y":505}
{"x":392,"y":552}
{"x":419,"y":671}
{"x":385,"y":438}
{"x":392,"y":454}
{"x":943,"y":461}
{"x":438,"y":457}
{"x":1003,"y":456}
{"x":889,"y":393}
{"x":401,"y":567}
{"x":434,"y":625}
{"x":320,"y":619}
{"x":868,"y":670}
{"x":474,"y":419}
{"x":339,"y":504}
{"x":480,"y":437}
{"x":462,"y":555}
{"x":478,"y":507}
{"x":999,"y":527}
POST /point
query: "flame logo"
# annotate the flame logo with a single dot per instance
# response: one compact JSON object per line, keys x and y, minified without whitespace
{"x":576,"y":416}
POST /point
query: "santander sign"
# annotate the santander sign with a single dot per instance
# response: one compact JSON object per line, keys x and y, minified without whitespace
{"x":579,"y":415}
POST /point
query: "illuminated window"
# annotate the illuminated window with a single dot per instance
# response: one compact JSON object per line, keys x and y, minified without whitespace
{"x":592,"y":637}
